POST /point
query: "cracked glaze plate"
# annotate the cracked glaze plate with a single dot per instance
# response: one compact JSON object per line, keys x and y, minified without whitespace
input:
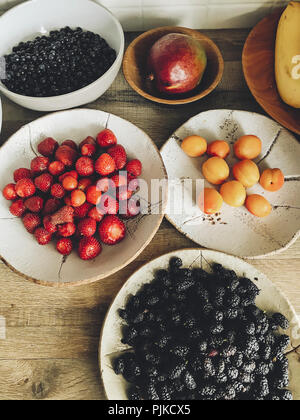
{"x":234,"y":230}
{"x":20,"y":251}
{"x":271,"y":300}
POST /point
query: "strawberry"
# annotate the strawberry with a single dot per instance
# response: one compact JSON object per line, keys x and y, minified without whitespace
{"x":31,"y":222}
{"x":130,"y":208}
{"x":21,"y":174}
{"x":111,"y":230}
{"x":105,"y":165}
{"x":44,"y":182}
{"x":62,"y":216}
{"x":56,"y":168}
{"x":133,"y":184}
{"x":66,"y":155}
{"x":78,"y":198}
{"x":88,"y":150}
{"x":9,"y":192}
{"x":34,"y":204}
{"x":84,"y":183}
{"x":68,"y":200}
{"x":25,"y":188}
{"x":58,"y":191}
{"x":39,"y":165}
{"x":69,"y":183}
{"x":67,"y":230}
{"x":47,"y":147}
{"x":64,"y":246}
{"x":85,"y":166}
{"x":134,"y":168}
{"x":106,"y":139}
{"x":88,"y":140}
{"x":96,"y":213}
{"x":119,"y":181}
{"x":124,"y":194}
{"x":70,"y":143}
{"x":109,"y":205}
{"x":82,"y":211}
{"x":17,"y":208}
{"x":42,"y":236}
{"x":51,"y":206}
{"x":104,"y":185}
{"x":87,"y":227}
{"x":73,"y":174}
{"x":118,"y":153}
{"x":89,"y":248}
{"x":93,"y":195}
{"x":50,"y":227}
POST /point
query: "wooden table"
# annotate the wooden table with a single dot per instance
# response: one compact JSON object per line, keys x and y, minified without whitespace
{"x":52,"y":334}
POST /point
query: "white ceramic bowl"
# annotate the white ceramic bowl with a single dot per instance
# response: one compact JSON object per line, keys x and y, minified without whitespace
{"x":270,"y":300}
{"x":36,"y":17}
{"x":42,"y":264}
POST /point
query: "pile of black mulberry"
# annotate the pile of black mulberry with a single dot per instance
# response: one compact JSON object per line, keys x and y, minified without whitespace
{"x":199,"y":336}
{"x":63,"y":62}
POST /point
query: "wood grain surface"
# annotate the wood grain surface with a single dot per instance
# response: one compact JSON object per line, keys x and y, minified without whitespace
{"x":50,"y":350}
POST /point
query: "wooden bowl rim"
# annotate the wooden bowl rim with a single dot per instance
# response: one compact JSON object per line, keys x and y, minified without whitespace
{"x":175,"y":29}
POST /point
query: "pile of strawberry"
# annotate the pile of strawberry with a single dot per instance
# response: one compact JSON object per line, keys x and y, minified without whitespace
{"x":77,"y":195}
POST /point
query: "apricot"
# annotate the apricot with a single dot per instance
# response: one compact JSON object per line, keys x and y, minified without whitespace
{"x":272,"y":180}
{"x":248,"y":147}
{"x":258,"y":205}
{"x":219,"y":148}
{"x":210,"y":201}
{"x":233,"y":193}
{"x":215,"y":170}
{"x":194,"y":146}
{"x":246,"y":172}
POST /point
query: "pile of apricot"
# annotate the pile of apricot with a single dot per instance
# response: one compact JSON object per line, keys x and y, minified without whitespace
{"x":246,"y":174}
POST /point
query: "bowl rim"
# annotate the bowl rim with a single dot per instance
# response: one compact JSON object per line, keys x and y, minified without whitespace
{"x":171,"y":253}
{"x":119,"y":57}
{"x":191,"y":99}
{"x":129,"y":261}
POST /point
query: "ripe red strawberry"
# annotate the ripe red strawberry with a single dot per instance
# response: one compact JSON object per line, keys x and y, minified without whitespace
{"x":31,"y":222}
{"x":67,"y":230}
{"x":56,"y":168}
{"x":73,"y":174}
{"x":44,"y":182}
{"x":96,"y":213}
{"x":89,"y":248}
{"x":50,"y":227}
{"x":87,"y":227}
{"x":82,"y":211}
{"x":109,"y":205}
{"x":17,"y":208}
{"x":34,"y":204}
{"x":93,"y":195}
{"x":47,"y":147}
{"x":119,"y":180}
{"x":85,"y":166}
{"x":64,"y":246}
{"x":112,"y":230}
{"x":70,"y":143}
{"x":84,"y":183}
{"x":42,"y":236}
{"x":21,"y":174}
{"x":58,"y":191}
{"x":62,"y":216}
{"x":124,"y":194}
{"x":134,"y":168}
{"x":51,"y":206}
{"x":104,"y":185}
{"x":39,"y":165}
{"x":25,"y":188}
{"x":105,"y":165}
{"x":88,"y":147}
{"x":118,"y":153}
{"x":66,"y":155}
{"x":130,"y":208}
{"x":9,"y":192}
{"x":106,"y":138}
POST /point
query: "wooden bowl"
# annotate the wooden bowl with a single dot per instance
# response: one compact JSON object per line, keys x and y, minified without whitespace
{"x":135,"y":67}
{"x":259,"y":70}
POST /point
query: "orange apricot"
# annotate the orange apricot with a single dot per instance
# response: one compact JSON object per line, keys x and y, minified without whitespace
{"x":219,"y":148}
{"x":194,"y":146}
{"x":246,"y":172}
{"x":248,"y":147}
{"x":233,"y":193}
{"x":272,"y":180}
{"x":210,"y":201}
{"x":258,"y":205}
{"x":215,"y":170}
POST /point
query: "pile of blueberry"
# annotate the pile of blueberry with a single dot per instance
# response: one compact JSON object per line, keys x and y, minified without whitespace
{"x":196,"y":335}
{"x":63,"y":62}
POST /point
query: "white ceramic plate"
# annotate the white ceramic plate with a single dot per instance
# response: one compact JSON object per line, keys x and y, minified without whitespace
{"x":236,"y":231}
{"x":43,"y":264}
{"x":270,"y":300}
